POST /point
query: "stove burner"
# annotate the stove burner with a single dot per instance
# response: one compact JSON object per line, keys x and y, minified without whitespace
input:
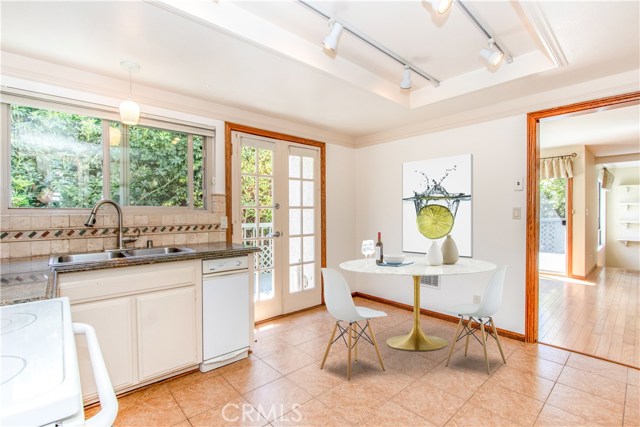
{"x":12,"y":322}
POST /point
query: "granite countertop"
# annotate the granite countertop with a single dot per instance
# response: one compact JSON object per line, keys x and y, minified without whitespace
{"x":31,"y":279}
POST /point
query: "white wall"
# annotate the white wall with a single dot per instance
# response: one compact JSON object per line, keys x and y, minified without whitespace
{"x":591,"y":212}
{"x":499,"y":158}
{"x":618,"y":255}
{"x":341,"y":208}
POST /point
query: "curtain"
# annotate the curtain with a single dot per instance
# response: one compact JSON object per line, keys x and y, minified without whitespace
{"x":556,"y":167}
{"x":606,"y":179}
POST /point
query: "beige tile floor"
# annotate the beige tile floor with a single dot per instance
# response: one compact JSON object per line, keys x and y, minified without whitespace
{"x":281,"y":384}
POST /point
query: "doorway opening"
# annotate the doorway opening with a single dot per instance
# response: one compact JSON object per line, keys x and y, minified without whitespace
{"x":275,"y":200}
{"x":592,"y":301}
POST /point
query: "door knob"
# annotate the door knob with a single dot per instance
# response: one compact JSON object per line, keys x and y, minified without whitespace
{"x":275,"y":234}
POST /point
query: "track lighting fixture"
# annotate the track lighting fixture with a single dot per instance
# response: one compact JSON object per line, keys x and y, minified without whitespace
{"x":406,"y":78}
{"x":440,"y":6}
{"x":129,"y":110}
{"x":331,"y":41}
{"x":492,"y":55}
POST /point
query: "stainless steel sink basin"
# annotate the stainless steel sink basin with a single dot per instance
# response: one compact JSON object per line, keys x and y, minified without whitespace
{"x":157,"y":251}
{"x":109,"y":255}
{"x":90,"y":257}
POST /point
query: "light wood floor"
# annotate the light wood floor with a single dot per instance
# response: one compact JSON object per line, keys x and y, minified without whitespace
{"x":599,"y":316}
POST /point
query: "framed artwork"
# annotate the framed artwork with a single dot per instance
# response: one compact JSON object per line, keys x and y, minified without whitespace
{"x":436,"y":201}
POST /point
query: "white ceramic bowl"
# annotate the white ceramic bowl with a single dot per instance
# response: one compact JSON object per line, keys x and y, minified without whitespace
{"x":394,"y":258}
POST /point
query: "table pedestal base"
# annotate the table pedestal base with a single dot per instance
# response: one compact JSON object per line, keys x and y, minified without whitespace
{"x":416,"y":340}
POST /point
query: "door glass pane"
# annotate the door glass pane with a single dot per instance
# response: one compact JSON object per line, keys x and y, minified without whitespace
{"x":266,"y":254}
{"x":249,"y":226}
{"x":294,"y":192}
{"x":294,"y":250}
{"x":248,"y":160}
{"x":307,"y":193}
{"x":248,"y":190}
{"x":308,"y":280}
{"x":307,"y":248}
{"x":307,"y":221}
{"x":266,"y":222}
{"x":295,"y":284}
{"x":553,"y":225}
{"x":294,"y":222}
{"x":265,"y":280}
{"x":265,"y":191}
{"x":265,"y":162}
{"x":294,"y":166}
{"x":307,"y":167}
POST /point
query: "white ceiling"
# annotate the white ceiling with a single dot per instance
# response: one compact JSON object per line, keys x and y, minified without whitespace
{"x":605,"y":133}
{"x":265,"y":56}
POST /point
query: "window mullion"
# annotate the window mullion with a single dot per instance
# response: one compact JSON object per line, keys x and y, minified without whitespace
{"x":124,"y":167}
{"x":190,"y":200}
{"x":106,"y":160}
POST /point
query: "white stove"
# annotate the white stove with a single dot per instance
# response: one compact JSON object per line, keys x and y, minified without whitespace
{"x":39,"y":376}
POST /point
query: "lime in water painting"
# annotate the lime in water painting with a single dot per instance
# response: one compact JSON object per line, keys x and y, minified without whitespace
{"x":436,"y":202}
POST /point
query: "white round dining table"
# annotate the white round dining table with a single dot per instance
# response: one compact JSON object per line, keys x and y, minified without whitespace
{"x":417,"y":340}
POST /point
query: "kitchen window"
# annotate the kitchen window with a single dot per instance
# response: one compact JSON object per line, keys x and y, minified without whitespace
{"x":69,"y":158}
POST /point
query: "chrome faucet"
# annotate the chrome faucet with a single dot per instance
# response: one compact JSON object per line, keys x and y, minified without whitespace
{"x":91,"y":221}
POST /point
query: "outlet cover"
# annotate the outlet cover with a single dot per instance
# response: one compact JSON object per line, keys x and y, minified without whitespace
{"x":476,"y":299}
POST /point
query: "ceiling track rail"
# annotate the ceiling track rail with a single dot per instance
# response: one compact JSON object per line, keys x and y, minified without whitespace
{"x":507,"y":56}
{"x":435,"y":82}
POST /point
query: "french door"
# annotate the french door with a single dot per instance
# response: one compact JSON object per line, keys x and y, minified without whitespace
{"x":276,"y":196}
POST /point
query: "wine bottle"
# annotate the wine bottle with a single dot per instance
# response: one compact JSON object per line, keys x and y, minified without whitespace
{"x":379,"y":252}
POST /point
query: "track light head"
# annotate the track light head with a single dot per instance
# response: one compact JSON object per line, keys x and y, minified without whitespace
{"x":331,"y":41}
{"x":492,"y":55}
{"x":406,"y":78}
{"x":440,"y":6}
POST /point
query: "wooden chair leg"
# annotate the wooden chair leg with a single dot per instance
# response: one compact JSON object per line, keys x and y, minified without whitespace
{"x":349,"y":353}
{"x":466,"y":342}
{"x":326,"y":352}
{"x":484,"y":345}
{"x":495,"y":333}
{"x":375,"y":344}
{"x":453,"y":342}
{"x":355,"y":344}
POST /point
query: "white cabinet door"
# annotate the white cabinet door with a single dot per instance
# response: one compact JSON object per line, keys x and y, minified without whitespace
{"x":166,"y":331}
{"x":114,"y":327}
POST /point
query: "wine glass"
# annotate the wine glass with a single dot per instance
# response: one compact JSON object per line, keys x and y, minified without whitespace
{"x":368,"y":248}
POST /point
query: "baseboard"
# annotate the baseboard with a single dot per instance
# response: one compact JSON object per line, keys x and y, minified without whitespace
{"x":502,"y":332}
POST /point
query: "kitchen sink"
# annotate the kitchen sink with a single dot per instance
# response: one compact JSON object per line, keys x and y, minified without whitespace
{"x":109,"y":255}
{"x":157,"y":251}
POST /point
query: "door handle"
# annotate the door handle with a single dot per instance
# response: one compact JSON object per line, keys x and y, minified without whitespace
{"x":275,"y":234}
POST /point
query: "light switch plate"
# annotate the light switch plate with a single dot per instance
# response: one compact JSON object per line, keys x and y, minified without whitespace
{"x":223,"y":222}
{"x":518,"y":184}
{"x":515,"y":213}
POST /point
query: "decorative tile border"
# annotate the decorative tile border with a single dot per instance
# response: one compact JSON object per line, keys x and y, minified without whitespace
{"x":95,"y":232}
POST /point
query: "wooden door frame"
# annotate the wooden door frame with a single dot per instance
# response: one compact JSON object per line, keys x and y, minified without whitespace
{"x":235,"y":127}
{"x":533,"y":194}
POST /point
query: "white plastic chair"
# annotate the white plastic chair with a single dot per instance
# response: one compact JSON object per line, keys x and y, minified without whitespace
{"x":337,"y":297}
{"x":479,"y":316}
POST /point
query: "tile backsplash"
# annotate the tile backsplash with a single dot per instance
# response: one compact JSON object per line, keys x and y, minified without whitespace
{"x":33,"y":235}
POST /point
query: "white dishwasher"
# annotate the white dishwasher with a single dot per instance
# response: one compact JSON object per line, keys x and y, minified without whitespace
{"x":225,"y":311}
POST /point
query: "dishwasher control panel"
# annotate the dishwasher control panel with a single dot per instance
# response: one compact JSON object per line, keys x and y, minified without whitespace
{"x":225,"y":264}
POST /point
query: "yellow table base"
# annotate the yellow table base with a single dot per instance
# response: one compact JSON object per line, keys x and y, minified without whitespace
{"x":416,"y":340}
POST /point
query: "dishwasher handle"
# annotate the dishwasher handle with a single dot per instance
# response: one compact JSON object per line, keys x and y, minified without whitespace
{"x":108,"y":401}
{"x":224,"y":273}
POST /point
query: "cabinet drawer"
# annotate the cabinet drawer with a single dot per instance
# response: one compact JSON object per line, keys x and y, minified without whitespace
{"x":88,"y":285}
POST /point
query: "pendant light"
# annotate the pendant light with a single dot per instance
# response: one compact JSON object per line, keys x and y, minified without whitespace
{"x":440,"y":6}
{"x":129,"y":110}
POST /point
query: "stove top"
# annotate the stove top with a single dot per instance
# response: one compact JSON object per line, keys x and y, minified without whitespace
{"x":39,"y":380}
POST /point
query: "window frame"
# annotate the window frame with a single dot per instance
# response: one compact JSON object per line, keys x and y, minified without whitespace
{"x":107,"y":115}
